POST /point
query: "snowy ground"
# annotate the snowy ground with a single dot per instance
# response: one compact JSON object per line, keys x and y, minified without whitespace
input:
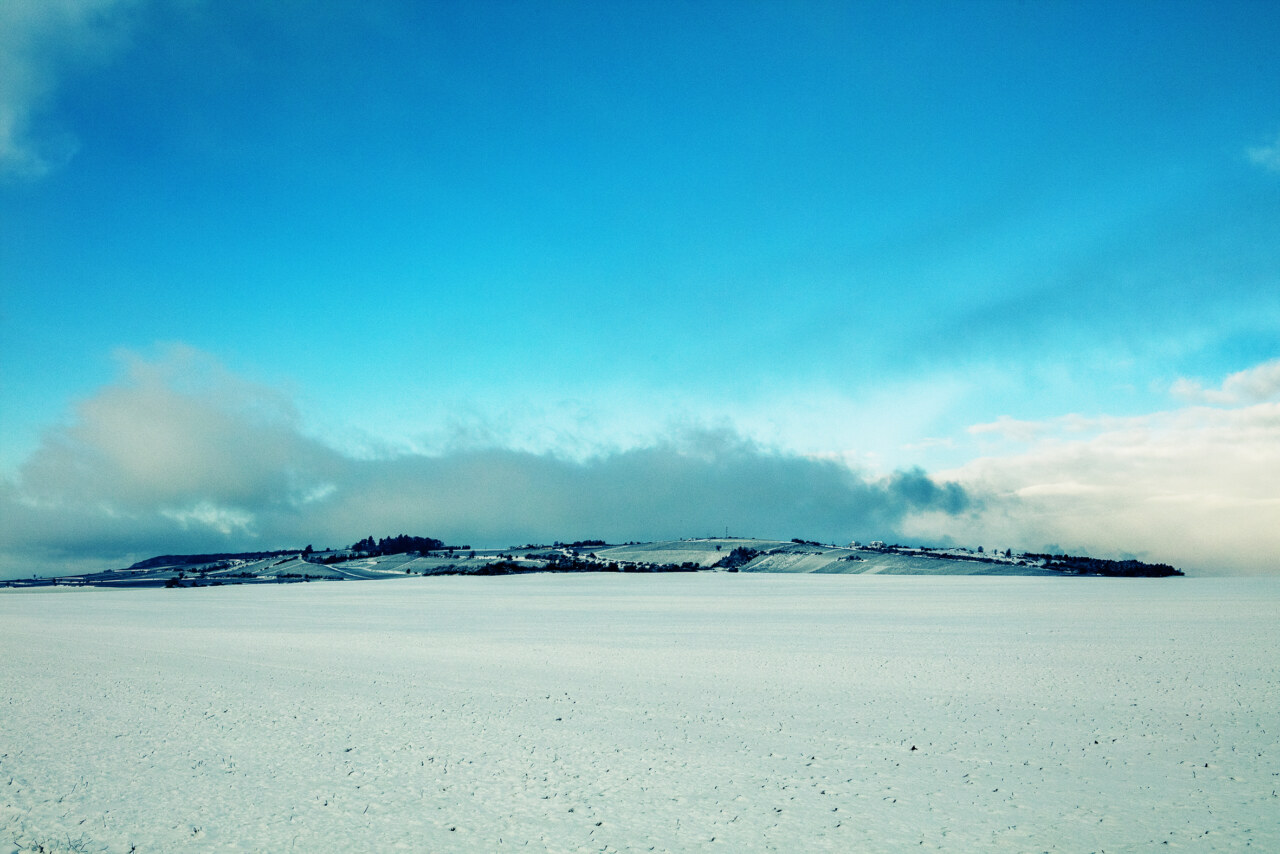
{"x":610,"y":712}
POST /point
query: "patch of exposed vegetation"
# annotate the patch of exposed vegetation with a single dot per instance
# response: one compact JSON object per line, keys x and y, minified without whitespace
{"x":1102,"y":566}
{"x":736,"y":559}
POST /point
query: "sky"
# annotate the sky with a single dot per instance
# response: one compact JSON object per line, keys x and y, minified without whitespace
{"x":988,"y":273}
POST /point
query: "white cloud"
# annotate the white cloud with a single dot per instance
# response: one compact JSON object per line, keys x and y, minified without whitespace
{"x":206,"y":514}
{"x":1256,"y":384}
{"x":39,"y":41}
{"x":1266,"y":156}
{"x":1197,"y":487}
{"x":1012,"y":429}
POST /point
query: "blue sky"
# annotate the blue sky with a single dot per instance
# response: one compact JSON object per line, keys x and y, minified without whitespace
{"x":862,"y":233}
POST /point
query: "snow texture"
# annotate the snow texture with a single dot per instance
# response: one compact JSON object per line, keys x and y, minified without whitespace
{"x":613,"y":712}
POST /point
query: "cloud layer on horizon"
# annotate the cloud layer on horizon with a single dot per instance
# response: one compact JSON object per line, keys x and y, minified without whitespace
{"x":183,"y":456}
{"x":1196,"y":487}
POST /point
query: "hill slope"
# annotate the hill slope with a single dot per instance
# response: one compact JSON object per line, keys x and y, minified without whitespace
{"x":729,"y":554}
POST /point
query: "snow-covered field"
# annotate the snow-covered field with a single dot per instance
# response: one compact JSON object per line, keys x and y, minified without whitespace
{"x":687,"y":712}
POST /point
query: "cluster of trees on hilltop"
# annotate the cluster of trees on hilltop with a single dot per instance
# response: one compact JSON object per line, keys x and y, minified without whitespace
{"x":739,"y":557}
{"x":1102,"y":566}
{"x":577,"y":544}
{"x":400,"y":544}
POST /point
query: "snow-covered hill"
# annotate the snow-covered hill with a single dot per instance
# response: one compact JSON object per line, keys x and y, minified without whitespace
{"x":732,"y":554}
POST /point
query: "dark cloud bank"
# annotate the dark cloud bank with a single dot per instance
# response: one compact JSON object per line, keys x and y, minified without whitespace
{"x":183,"y":457}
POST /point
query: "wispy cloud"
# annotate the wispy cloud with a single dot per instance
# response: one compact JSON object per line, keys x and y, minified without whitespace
{"x":1009,"y":428}
{"x":181,"y":455}
{"x":39,"y":41}
{"x":1266,"y":156}
{"x":1256,"y":384}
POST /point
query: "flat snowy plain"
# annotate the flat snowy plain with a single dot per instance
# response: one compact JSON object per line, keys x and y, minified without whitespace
{"x":610,"y":712}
